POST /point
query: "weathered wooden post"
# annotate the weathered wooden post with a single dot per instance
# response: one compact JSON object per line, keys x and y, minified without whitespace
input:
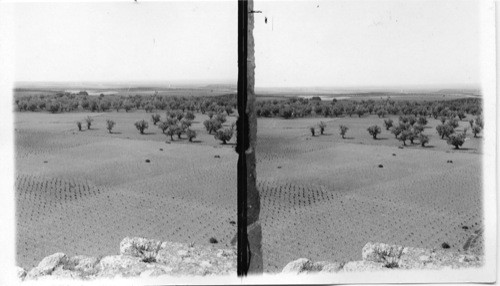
{"x":249,"y":228}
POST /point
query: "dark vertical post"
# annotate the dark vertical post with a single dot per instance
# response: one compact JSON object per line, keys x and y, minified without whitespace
{"x":249,"y":228}
{"x":242,"y":139}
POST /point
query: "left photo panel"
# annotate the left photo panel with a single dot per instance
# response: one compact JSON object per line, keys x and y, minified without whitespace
{"x":124,"y":135}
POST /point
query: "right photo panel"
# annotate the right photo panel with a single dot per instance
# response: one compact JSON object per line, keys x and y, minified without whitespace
{"x":371,"y":136}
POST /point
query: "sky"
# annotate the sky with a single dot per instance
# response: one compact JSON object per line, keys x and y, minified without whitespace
{"x":367,"y":43}
{"x":304,"y":43}
{"x":125,"y":41}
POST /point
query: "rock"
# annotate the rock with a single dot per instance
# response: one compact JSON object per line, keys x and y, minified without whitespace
{"x":83,"y":264}
{"x":298,"y":266}
{"x":381,"y":252}
{"x":47,"y":265}
{"x":381,"y":166}
{"x":359,"y":266}
{"x":140,"y":247}
{"x":393,"y":154}
{"x":217,"y":156}
{"x":121,"y":265}
{"x":20,"y":273}
{"x":148,"y":161}
{"x":445,"y":245}
{"x":161,"y":149}
{"x":332,"y":267}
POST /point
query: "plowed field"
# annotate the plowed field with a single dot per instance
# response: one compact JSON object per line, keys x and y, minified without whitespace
{"x":83,"y":192}
{"x":324,"y":197}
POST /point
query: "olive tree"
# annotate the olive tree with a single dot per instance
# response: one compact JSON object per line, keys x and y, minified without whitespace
{"x":374,"y":130}
{"x":141,"y":125}
{"x":322,"y":126}
{"x":109,"y":125}
{"x":388,"y":123}
{"x":224,"y":135}
{"x":343,"y":130}
{"x":190,"y":134}
{"x":89,"y":121}
{"x":456,"y":140}
{"x":155,"y":118}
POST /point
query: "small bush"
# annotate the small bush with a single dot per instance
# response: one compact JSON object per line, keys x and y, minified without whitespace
{"x":163,"y":126}
{"x":155,"y":118}
{"x":171,"y":131}
{"x":109,"y":125}
{"x":89,"y":121}
{"x":322,"y":126}
{"x":374,"y":130}
{"x":388,"y":123}
{"x":476,"y":130}
{"x":79,"y":124}
{"x":456,"y":140}
{"x":313,"y":131}
{"x":343,"y":130}
{"x":444,"y":130}
{"x":479,"y":122}
{"x":224,"y":135}
{"x":212,"y":125}
{"x":190,"y":134}
{"x":424,"y":139}
{"x":141,"y":125}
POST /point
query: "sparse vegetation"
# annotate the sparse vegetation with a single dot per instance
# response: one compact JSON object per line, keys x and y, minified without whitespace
{"x":374,"y":130}
{"x":224,"y":135}
{"x":141,"y":125}
{"x":388,"y":123}
{"x":343,"y":130}
{"x":456,"y":140}
{"x":89,"y":121}
{"x":424,"y":139}
{"x":109,"y":125}
{"x":322,"y":126}
{"x":155,"y":118}
{"x":190,"y":134}
{"x":313,"y":130}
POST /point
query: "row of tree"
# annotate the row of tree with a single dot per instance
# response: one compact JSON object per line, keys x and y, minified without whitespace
{"x":177,"y":123}
{"x":68,"y":102}
{"x":301,"y":107}
{"x":410,"y":128}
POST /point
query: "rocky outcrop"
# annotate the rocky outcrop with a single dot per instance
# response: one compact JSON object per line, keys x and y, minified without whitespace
{"x":380,"y":256}
{"x":139,"y":257}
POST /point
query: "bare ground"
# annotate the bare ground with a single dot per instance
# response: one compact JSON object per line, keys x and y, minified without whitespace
{"x":325,"y":197}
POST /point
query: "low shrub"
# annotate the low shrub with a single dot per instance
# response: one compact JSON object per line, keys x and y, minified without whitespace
{"x":155,"y":118}
{"x":343,"y":130}
{"x":141,"y":125}
{"x":109,"y":125}
{"x":322,"y":126}
{"x":89,"y":121}
{"x":374,"y":130}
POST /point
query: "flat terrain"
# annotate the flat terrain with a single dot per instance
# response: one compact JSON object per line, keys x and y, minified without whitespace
{"x":325,"y":197}
{"x":83,"y":192}
{"x":322,"y":197}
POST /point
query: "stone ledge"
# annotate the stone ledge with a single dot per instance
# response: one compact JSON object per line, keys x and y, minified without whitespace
{"x":139,"y":257}
{"x":381,"y":256}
